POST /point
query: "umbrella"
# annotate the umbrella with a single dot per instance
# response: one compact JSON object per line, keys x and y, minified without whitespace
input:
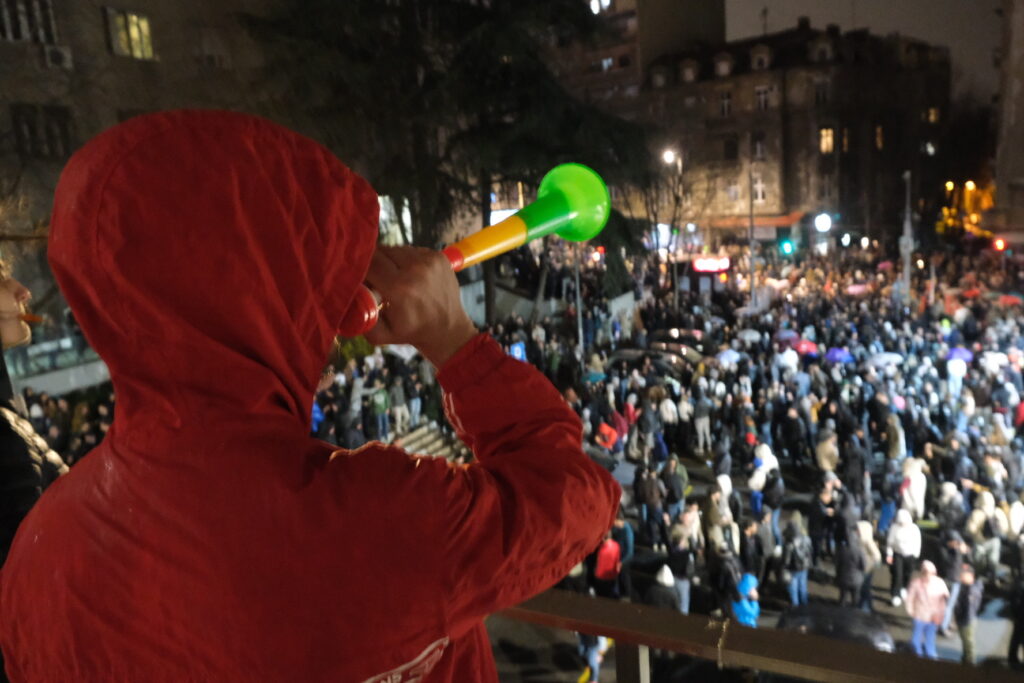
{"x":806,"y":347}
{"x":1010,"y":300}
{"x":857,"y":290}
{"x":749,"y":336}
{"x":728,"y":357}
{"x":993,"y":360}
{"x":960,"y":352}
{"x":880,"y":360}
{"x":837,"y":355}
{"x":885,"y":265}
{"x":786,"y":335}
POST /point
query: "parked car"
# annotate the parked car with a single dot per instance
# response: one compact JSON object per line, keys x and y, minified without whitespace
{"x":842,"y":623}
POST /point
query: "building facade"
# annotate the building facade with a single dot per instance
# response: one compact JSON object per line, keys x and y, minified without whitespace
{"x":788,"y":125}
{"x":70,"y":70}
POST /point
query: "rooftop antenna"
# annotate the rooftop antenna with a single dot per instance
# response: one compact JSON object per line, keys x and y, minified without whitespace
{"x":764,"y":20}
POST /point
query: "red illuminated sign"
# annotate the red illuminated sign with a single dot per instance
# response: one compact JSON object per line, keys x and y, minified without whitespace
{"x":711,"y":264}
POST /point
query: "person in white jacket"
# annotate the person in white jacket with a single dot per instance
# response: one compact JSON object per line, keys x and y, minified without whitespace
{"x":914,"y":493}
{"x":902,"y":548}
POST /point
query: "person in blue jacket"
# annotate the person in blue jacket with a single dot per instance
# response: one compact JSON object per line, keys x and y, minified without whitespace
{"x":747,"y":609}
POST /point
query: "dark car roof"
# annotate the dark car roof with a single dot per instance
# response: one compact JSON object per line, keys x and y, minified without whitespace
{"x":844,"y":623}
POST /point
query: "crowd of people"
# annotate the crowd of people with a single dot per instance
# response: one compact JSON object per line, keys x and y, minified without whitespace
{"x":840,"y":432}
{"x":849,"y":435}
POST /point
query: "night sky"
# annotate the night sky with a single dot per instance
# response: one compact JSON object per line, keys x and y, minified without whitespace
{"x":970,"y":28}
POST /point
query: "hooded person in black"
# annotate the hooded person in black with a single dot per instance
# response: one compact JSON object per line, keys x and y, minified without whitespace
{"x":27,"y":464}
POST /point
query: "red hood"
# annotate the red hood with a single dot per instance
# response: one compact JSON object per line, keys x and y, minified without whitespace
{"x":208,"y":257}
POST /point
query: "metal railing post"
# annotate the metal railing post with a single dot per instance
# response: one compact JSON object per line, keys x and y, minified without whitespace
{"x":632,"y":663}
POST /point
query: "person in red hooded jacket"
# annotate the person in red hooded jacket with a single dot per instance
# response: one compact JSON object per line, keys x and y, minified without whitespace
{"x":209,"y":257}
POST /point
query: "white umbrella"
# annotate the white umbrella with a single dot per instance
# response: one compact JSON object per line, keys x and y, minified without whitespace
{"x":880,"y":360}
{"x":728,"y":357}
{"x":750,"y":336}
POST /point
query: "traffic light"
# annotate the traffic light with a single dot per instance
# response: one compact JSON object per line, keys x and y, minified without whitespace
{"x":999,"y":243}
{"x":786,"y":247}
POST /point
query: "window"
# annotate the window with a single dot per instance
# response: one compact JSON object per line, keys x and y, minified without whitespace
{"x":129,"y":34}
{"x":879,"y":138}
{"x":761,"y":94}
{"x":607,"y":63}
{"x":689,"y":72}
{"x":730,"y":148}
{"x":598,"y":6}
{"x":933,"y":115}
{"x":757,"y":145}
{"x":821,"y":92}
{"x":732,"y":191}
{"x":826,"y":140}
{"x":825,"y":186}
{"x":760,"y":190}
{"x":28,"y":20}
{"x":723,"y":67}
{"x":211,"y":51}
{"x":760,"y":63}
{"x":725,"y":103}
{"x":42,"y":132}
{"x":846,"y":140}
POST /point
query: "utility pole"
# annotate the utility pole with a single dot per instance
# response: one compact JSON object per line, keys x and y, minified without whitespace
{"x":907,"y":241}
{"x":579,"y":303}
{"x":750,"y":182}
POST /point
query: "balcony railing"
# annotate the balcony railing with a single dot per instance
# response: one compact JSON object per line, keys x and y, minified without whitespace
{"x":638,"y":628}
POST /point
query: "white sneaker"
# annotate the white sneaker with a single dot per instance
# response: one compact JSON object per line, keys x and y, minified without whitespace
{"x":897,"y":601}
{"x":903,"y":593}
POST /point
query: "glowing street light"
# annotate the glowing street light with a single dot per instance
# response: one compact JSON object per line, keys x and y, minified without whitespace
{"x":970,"y":186}
{"x":691,"y":227}
{"x":823,"y":222}
{"x":864,"y":242}
{"x":669,"y":156}
{"x":949,"y":186}
{"x":845,"y":241}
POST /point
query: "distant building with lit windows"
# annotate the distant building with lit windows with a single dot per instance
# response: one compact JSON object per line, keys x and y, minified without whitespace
{"x":785,"y":125}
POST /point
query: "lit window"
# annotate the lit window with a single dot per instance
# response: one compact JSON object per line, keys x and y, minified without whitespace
{"x":733,"y":191}
{"x":129,"y":34}
{"x":760,"y":189}
{"x":826,"y":140}
{"x":598,"y":6}
{"x":761,"y":93}
{"x":689,"y":73}
{"x":846,"y":140}
{"x":933,"y":114}
{"x":28,"y":20}
{"x":879,"y":138}
{"x":725,"y":103}
{"x":723,"y":67}
{"x":929,"y":148}
{"x":607,"y":63}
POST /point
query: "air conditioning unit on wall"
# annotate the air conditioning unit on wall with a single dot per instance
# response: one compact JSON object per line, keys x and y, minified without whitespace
{"x":58,"y":57}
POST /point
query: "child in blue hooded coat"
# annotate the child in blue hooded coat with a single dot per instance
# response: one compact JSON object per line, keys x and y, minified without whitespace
{"x":747,"y":609}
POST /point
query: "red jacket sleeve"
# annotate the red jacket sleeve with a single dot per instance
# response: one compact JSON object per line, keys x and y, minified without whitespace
{"x":534,"y":505}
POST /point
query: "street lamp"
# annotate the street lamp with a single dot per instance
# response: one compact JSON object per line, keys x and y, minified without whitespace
{"x":669,"y":156}
{"x":949,"y":186}
{"x":823,"y":222}
{"x":970,"y":186}
{"x":845,"y":241}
